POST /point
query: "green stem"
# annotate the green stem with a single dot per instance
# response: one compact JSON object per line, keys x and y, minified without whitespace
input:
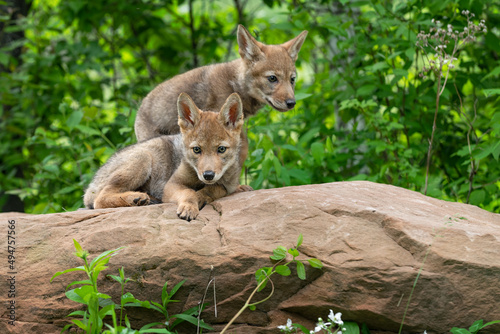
{"x":429,"y":152}
{"x":413,"y":289}
{"x":247,"y":303}
{"x":121,"y":302}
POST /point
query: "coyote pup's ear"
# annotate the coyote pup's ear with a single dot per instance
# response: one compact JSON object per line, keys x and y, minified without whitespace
{"x":249,"y":48}
{"x":293,"y":46}
{"x":231,"y":114}
{"x":189,"y":114}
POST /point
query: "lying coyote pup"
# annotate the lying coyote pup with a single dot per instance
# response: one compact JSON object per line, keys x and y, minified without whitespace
{"x":191,"y":169}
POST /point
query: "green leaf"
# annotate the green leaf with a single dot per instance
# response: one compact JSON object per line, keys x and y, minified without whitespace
{"x":299,"y":240}
{"x":301,"y":270}
{"x":176,"y":288}
{"x":293,"y":252}
{"x":74,"y":119}
{"x":491,"y":91}
{"x":318,"y":152}
{"x":493,"y":73}
{"x":88,"y":131}
{"x":279,"y":253}
{"x":350,"y":328}
{"x":102,"y":257}
{"x":80,"y":295}
{"x":80,"y":324}
{"x":252,"y":307}
{"x":302,"y":328}
{"x":491,"y":149}
{"x":491,"y":323}
{"x":80,"y":313}
{"x":107,"y":310}
{"x":277,"y":166}
{"x":192,"y":320}
{"x":477,"y":197}
{"x":78,"y":248}
{"x":116,"y":278}
{"x":262,"y":275}
{"x":366,"y":90}
{"x":148,"y":326}
{"x":315,"y":263}
{"x":456,"y":330}
{"x":155,"y":330}
{"x":476,"y":326}
{"x":283,"y":270}
{"x":67,"y":271}
{"x":128,"y":297}
{"x":85,"y":282}
{"x":301,"y":96}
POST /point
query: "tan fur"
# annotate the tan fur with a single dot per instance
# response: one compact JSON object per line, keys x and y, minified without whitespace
{"x":210,"y":85}
{"x":167,"y":168}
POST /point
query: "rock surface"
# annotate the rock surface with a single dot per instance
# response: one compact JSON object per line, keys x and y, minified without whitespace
{"x":372,"y":239}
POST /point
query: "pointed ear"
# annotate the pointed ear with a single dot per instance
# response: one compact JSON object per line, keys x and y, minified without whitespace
{"x":231,"y":114}
{"x":189,"y":114}
{"x":293,"y":46}
{"x":249,"y":48}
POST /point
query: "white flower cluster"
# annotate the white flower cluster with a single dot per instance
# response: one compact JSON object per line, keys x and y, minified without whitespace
{"x":334,"y":325}
{"x":443,"y":37}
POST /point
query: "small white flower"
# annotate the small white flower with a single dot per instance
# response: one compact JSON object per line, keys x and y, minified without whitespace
{"x":336,"y":318}
{"x":288,"y":325}
{"x":425,"y":332}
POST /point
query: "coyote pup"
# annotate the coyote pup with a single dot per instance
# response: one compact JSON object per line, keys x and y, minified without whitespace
{"x":191,"y":169}
{"x":265,"y":74}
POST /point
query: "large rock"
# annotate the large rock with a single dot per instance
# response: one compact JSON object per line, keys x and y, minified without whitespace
{"x":372,"y":239}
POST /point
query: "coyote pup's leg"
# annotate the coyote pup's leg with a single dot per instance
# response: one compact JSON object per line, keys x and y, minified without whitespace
{"x":190,"y":202}
{"x":120,"y":188}
{"x":111,"y":197}
{"x":243,"y":187}
{"x":209,"y":194}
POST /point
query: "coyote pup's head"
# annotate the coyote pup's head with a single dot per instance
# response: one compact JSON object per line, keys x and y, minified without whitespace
{"x":212,"y":140}
{"x":270,"y":69}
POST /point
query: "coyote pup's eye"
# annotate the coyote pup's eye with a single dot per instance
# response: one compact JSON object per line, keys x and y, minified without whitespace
{"x":221,"y":149}
{"x":272,"y":78}
{"x":292,"y":80}
{"x":197,"y":150}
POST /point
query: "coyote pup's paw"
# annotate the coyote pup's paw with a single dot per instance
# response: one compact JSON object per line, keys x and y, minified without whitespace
{"x":187,"y":211}
{"x":132,"y":198}
{"x":243,"y":187}
{"x":137,"y":199}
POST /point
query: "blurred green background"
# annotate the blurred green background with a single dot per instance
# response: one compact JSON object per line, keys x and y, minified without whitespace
{"x":73,"y":73}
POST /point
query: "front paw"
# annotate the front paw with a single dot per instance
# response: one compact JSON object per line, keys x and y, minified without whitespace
{"x":242,"y":188}
{"x":187,"y":211}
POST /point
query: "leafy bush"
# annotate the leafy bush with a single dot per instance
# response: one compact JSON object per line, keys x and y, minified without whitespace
{"x":98,"y":305}
{"x":71,"y":86}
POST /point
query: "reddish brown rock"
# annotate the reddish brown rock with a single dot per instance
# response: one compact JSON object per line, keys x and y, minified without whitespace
{"x":372,"y":239}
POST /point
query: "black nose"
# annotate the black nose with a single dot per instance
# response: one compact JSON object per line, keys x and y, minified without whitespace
{"x":290,"y":103}
{"x":209,"y":175}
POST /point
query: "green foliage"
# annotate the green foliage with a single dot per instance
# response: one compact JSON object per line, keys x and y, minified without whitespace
{"x":363,"y":113}
{"x":475,"y":328}
{"x":99,"y":305}
{"x":263,"y":275}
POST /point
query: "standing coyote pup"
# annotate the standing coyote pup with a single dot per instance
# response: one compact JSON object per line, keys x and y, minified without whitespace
{"x":265,"y":74}
{"x":191,"y":169}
